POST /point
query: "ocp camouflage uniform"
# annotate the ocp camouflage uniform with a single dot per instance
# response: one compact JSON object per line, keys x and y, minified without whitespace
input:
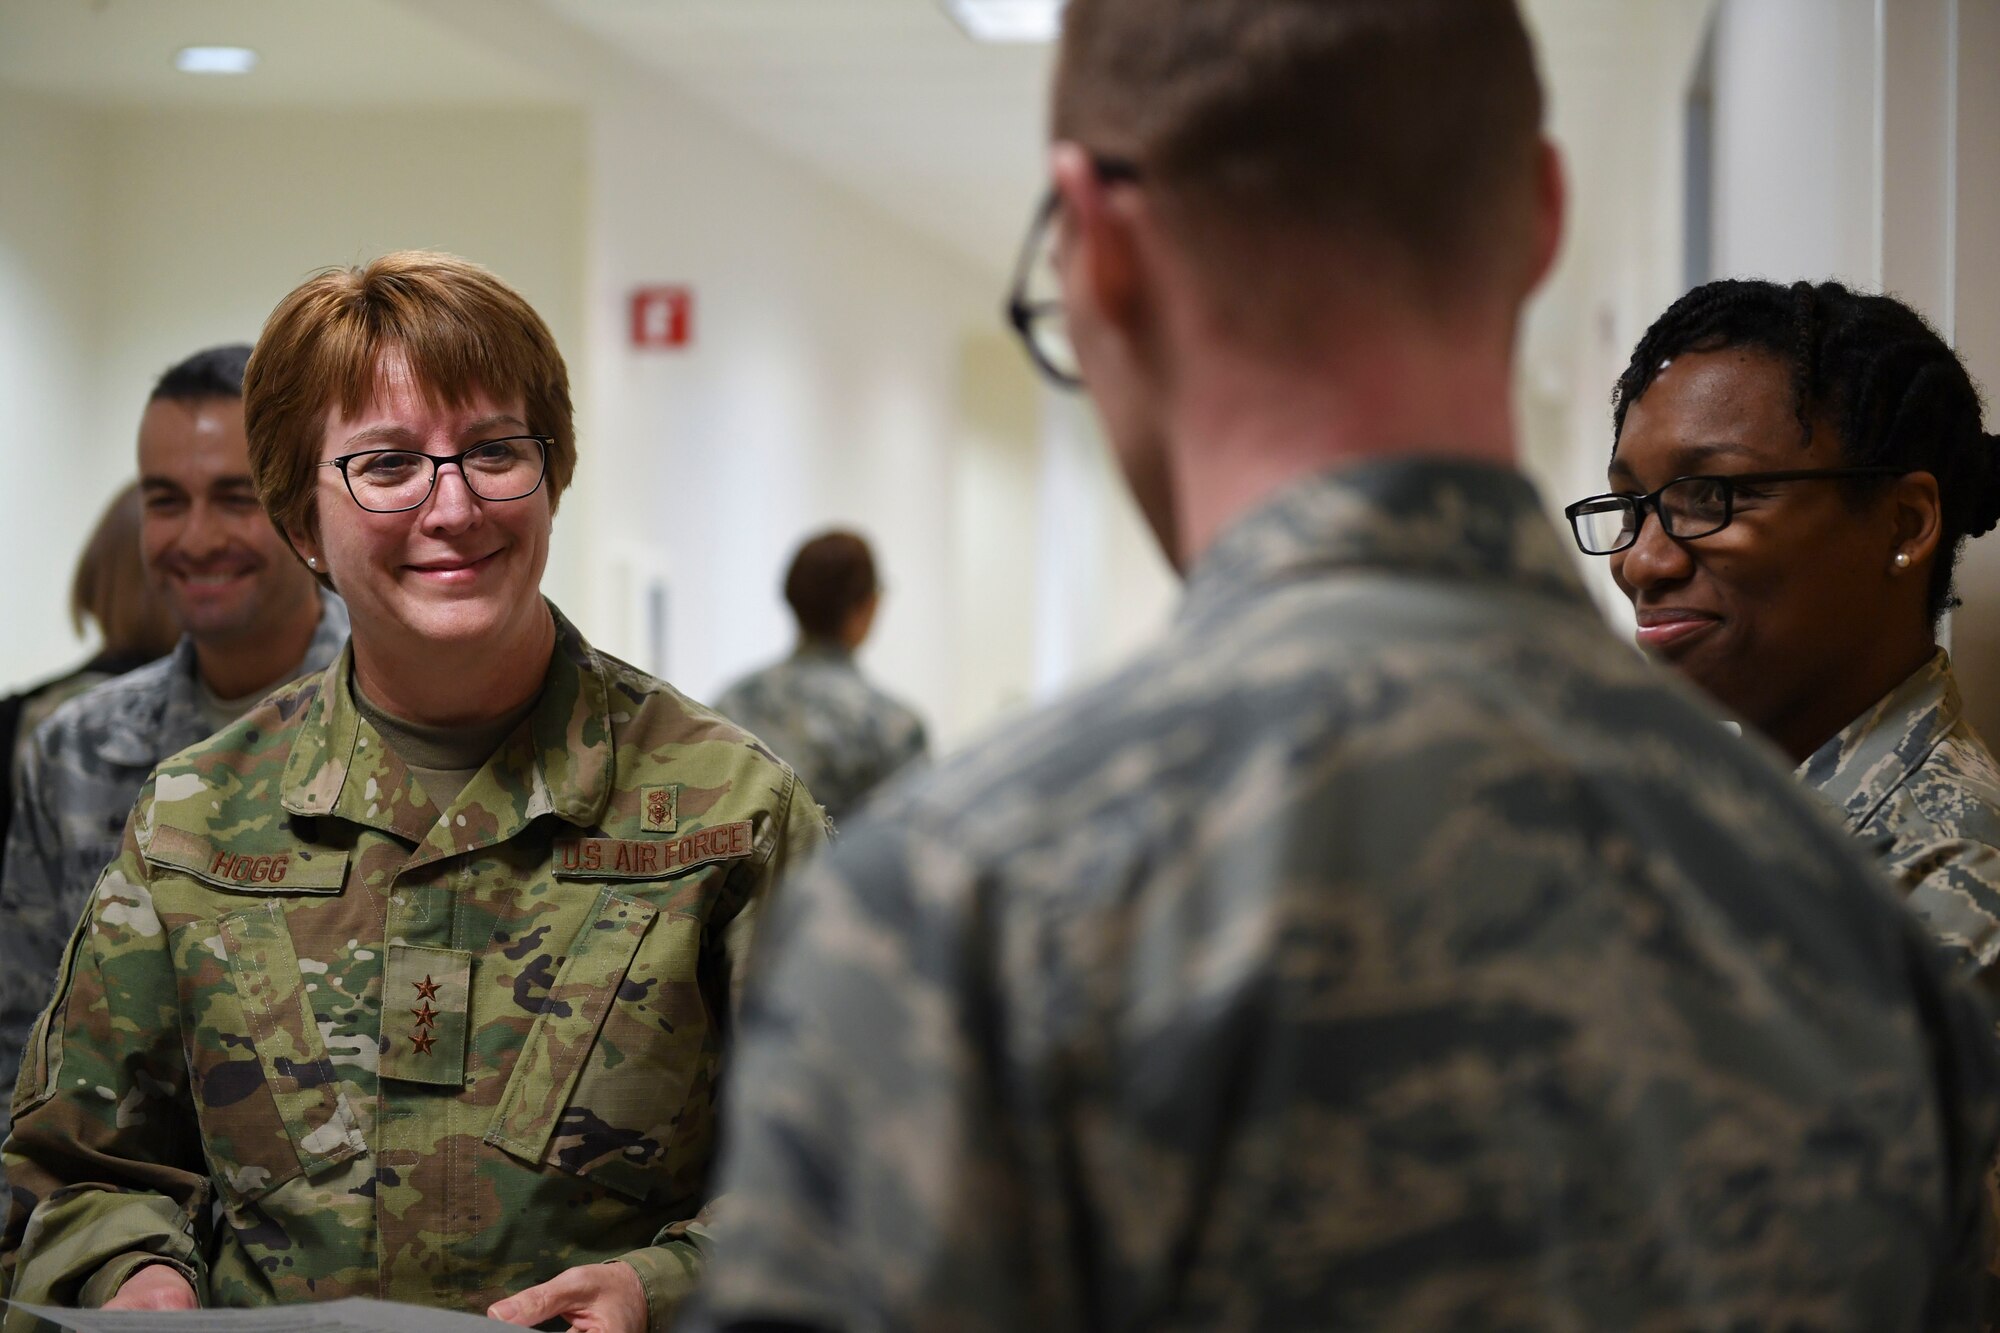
{"x":1390,"y":948}
{"x":78,"y":781}
{"x":1917,"y":785}
{"x":822,"y":716}
{"x":434,"y":1057}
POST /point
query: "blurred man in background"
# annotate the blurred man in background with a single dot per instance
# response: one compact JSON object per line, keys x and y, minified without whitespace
{"x":815,"y":709}
{"x":1390,"y":947}
{"x":252,"y":617}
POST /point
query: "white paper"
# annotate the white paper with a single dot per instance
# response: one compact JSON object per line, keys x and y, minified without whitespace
{"x":354,"y":1315}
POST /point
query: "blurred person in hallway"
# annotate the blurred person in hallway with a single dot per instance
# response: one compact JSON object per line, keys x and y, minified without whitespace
{"x":815,"y":709}
{"x":110,"y":592}
{"x":1813,"y":461}
{"x":1390,"y":947}
{"x":423,"y":971}
{"x":250,"y":617}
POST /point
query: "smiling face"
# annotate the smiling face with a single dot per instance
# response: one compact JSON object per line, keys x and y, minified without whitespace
{"x":1794,"y":615}
{"x":222,"y":568}
{"x":455,"y":573}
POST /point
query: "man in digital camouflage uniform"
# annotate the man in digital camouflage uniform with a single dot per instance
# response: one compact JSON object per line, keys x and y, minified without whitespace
{"x":252,"y":619}
{"x":1389,"y":947}
{"x":815,"y":709}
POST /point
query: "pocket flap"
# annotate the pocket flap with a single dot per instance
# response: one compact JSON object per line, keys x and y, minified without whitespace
{"x":264,"y":970}
{"x":564,"y":1031}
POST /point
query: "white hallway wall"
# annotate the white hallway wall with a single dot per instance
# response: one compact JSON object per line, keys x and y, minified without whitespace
{"x":130,"y":238}
{"x":1621,"y":262}
{"x":1797,"y":170}
{"x":826,"y":385}
{"x":49,"y":220}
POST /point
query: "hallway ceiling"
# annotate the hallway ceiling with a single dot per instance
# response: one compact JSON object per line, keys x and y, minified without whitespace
{"x":887,"y":98}
{"x":119,"y":53}
{"x":892,"y":99}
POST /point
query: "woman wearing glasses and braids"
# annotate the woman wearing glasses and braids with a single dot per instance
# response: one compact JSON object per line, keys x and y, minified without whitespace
{"x":421,"y":969}
{"x":1795,"y":472}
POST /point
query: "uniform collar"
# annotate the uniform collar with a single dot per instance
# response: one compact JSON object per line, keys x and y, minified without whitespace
{"x":1429,"y":517}
{"x":560,"y":761}
{"x":1874,"y":754}
{"x":175,"y":711}
{"x":176,"y":715}
{"x":822,"y":650}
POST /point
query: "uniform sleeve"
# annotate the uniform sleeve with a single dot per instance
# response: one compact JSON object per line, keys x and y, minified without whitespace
{"x":869,"y":1178}
{"x":104,"y":1161}
{"x":1954,"y":885}
{"x":31,"y":899}
{"x":671,"y":1268}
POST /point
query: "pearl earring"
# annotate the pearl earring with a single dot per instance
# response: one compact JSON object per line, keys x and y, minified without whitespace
{"x":1902,"y":559}
{"x":313,"y":563}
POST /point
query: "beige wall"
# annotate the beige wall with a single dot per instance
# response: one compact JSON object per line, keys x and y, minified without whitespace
{"x":56,"y":478}
{"x":843,"y":372}
{"x":212,"y":216}
{"x":1976,"y":284}
{"x":1797,"y":181}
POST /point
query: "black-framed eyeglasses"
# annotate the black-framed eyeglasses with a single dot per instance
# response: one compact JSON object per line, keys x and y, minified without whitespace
{"x":1688,"y":507}
{"x":1034,"y":301}
{"x":388,"y":481}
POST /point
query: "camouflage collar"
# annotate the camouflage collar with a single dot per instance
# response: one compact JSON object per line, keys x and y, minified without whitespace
{"x":560,"y":763}
{"x":1432,"y":517}
{"x":1874,"y":754}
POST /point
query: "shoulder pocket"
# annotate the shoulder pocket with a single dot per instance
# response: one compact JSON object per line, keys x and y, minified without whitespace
{"x":564,"y":1031}
{"x":608,"y":1068}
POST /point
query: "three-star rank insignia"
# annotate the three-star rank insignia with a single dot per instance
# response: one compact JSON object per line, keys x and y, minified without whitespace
{"x":426,"y":1003}
{"x":423,"y":1037}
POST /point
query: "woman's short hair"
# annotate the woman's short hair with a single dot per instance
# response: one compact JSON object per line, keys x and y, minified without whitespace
{"x":110,"y":588}
{"x":831,"y":576}
{"x":1891,"y":389}
{"x":462,"y":331}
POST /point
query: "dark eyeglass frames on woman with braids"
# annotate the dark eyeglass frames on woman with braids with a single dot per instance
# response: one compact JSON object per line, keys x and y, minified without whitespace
{"x":1688,"y":507}
{"x":1034,"y":305}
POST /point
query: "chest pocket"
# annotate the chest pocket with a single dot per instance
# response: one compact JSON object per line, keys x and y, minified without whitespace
{"x":621,"y":1042}
{"x":265,"y":1092}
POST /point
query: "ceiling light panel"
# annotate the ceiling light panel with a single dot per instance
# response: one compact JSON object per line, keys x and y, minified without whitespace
{"x":1008,"y":20}
{"x":215,"y":60}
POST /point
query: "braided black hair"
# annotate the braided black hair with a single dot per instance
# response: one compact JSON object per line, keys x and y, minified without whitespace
{"x":1894,"y":392}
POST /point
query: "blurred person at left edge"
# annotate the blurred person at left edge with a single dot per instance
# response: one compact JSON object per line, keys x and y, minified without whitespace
{"x":423,"y":968}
